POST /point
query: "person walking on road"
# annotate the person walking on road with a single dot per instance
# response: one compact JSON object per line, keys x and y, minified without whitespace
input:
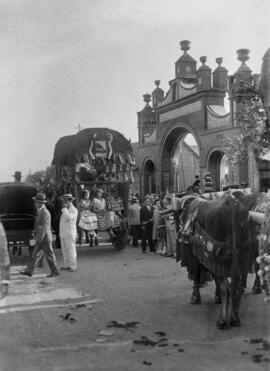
{"x":43,"y":239}
{"x":146,"y":216}
{"x":68,"y":233}
{"x":134,"y":220}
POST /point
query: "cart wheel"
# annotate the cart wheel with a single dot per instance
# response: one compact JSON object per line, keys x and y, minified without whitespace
{"x":119,"y":242}
{"x":119,"y":246}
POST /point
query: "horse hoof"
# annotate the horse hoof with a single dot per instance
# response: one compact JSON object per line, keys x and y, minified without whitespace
{"x":256,"y":290}
{"x":222,"y":325}
{"x":217,"y":299}
{"x":195,"y":300}
{"x":235,"y":322}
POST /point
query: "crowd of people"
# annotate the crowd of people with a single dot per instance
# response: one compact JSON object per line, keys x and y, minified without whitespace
{"x":151,"y":221}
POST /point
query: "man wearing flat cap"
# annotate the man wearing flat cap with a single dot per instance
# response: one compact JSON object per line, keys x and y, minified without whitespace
{"x":68,"y":232}
{"x":43,"y":239}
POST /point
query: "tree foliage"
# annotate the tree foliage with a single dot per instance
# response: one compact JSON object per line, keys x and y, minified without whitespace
{"x":251,"y":119}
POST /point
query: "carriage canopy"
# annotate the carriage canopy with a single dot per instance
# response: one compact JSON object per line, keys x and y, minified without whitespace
{"x":91,"y":144}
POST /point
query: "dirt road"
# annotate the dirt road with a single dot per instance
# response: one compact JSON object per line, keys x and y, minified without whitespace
{"x":124,"y":311}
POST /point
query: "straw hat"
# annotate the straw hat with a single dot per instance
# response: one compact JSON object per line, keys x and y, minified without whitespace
{"x":40,"y":197}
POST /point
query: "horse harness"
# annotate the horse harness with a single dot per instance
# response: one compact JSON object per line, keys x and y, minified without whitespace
{"x":215,"y":255}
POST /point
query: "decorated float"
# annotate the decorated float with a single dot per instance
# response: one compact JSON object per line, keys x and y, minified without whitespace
{"x":92,"y":159}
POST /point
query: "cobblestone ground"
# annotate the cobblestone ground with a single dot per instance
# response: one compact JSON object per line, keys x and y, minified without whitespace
{"x":124,"y":311}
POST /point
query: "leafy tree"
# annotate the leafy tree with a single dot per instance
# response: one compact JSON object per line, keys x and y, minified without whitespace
{"x":251,"y":119}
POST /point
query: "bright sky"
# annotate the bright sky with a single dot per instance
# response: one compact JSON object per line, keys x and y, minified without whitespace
{"x":88,"y":62}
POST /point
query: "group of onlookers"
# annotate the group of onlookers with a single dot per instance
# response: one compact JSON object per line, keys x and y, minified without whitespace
{"x":151,"y":221}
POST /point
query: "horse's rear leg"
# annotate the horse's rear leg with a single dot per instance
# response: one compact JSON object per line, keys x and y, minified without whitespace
{"x":235,"y":296}
{"x":223,"y":322}
{"x":196,"y":296}
{"x":217,"y":299}
{"x":257,"y":287}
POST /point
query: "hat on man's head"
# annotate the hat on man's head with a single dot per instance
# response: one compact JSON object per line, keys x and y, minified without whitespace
{"x":40,"y":197}
{"x":134,"y":199}
{"x":69,"y":196}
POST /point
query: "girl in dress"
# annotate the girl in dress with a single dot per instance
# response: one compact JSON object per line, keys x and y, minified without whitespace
{"x":105,"y":218}
{"x":87,"y":220}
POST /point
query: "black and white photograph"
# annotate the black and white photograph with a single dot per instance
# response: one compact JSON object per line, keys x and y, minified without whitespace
{"x":134,"y":185}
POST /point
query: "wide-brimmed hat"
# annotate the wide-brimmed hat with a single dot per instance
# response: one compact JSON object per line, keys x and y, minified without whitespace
{"x":40,"y":197}
{"x":68,"y":196}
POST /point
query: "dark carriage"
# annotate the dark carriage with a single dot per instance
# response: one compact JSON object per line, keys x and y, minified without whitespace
{"x":17,"y":212}
{"x":97,"y":158}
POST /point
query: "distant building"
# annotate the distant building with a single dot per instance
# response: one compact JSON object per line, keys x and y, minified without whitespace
{"x":194,"y":104}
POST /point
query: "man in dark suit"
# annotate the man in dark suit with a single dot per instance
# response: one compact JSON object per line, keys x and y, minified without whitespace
{"x":43,"y":238}
{"x":146,"y":216}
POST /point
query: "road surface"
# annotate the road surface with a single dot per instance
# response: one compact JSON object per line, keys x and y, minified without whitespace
{"x":124,"y":311}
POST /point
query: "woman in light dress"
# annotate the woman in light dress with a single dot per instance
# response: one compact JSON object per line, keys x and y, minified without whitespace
{"x":105,"y":218}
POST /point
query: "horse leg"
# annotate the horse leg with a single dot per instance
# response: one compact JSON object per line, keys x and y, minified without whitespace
{"x":196,"y":296}
{"x":217,"y":299}
{"x":257,"y":288}
{"x":235,"y":296}
{"x":223,"y":322}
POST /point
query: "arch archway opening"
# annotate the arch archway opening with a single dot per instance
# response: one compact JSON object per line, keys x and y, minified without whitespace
{"x":149,"y":178}
{"x":180,"y":161}
{"x":219,"y":169}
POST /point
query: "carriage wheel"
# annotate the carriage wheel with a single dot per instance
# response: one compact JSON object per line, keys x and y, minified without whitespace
{"x":119,"y":241}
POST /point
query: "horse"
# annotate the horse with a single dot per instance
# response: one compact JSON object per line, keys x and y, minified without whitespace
{"x":214,"y":242}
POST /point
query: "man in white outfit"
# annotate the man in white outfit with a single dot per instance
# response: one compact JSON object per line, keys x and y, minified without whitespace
{"x":68,"y":232}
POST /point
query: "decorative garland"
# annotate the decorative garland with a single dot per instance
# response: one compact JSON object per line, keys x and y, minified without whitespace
{"x":264,"y":254}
